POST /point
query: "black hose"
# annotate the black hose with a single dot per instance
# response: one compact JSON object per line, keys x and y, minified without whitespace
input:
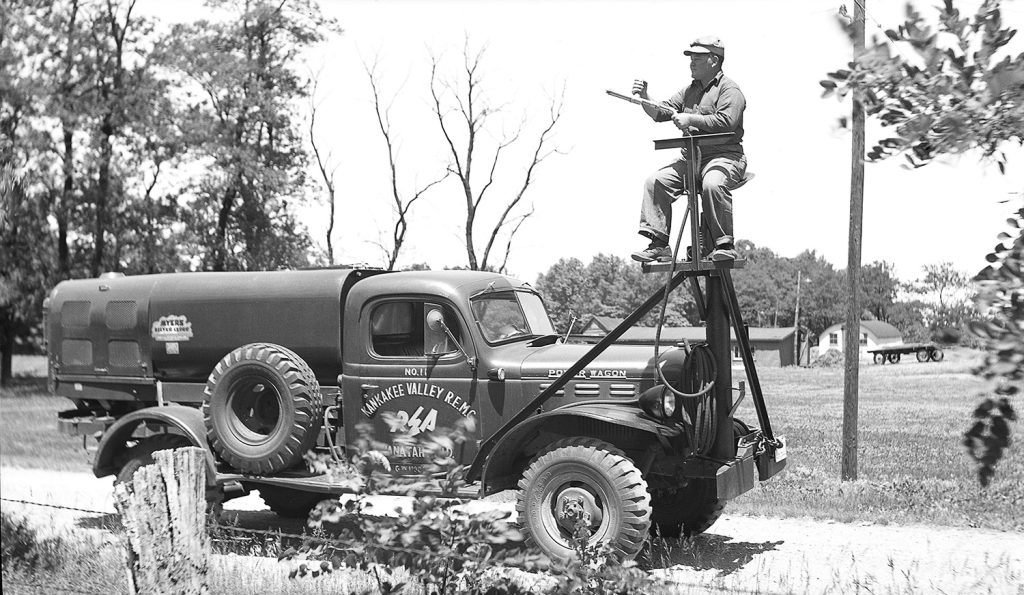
{"x":698,"y":374}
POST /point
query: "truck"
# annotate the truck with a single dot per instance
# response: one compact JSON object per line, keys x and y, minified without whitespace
{"x":257,"y":368}
{"x":260,"y":368}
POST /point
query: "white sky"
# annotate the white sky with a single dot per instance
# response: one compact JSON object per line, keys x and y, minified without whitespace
{"x":587,"y":201}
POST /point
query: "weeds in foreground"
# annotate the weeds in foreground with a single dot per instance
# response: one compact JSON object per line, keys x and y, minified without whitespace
{"x":30,"y":563}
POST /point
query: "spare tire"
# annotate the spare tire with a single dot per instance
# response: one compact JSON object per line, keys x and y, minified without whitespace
{"x":262,"y":408}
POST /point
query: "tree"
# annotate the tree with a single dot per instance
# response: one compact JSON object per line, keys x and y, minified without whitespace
{"x":402,"y":204}
{"x":607,"y":286}
{"x":952,"y":291}
{"x":243,"y":94}
{"x":947,"y":98}
{"x":327,"y":170}
{"x":466,"y":118}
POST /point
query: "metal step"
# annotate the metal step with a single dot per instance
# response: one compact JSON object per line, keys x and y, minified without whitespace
{"x":686,"y":265}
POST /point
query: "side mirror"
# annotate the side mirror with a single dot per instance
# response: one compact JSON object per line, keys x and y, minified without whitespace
{"x":435,"y":321}
{"x":438,"y":334}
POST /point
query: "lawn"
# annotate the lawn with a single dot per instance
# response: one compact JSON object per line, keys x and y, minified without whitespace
{"x":912,"y":466}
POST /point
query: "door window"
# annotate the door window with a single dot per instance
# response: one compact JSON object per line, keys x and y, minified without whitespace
{"x":398,"y":329}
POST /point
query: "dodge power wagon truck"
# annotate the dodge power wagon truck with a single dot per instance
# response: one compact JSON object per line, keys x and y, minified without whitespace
{"x":258,"y":368}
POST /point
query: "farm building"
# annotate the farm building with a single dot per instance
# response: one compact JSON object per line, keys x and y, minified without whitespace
{"x":873,"y":333}
{"x":771,"y":346}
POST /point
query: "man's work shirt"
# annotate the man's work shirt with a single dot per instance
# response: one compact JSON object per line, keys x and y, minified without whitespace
{"x":719,"y":108}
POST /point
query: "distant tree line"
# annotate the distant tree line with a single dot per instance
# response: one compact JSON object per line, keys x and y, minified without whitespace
{"x":937,"y":306}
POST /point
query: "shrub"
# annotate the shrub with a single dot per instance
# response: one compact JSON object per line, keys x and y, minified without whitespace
{"x":22,"y":548}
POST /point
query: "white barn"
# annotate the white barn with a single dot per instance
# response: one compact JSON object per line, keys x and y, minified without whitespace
{"x":873,"y":333}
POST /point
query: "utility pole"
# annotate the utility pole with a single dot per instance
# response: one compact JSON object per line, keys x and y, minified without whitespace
{"x":851,"y":334}
{"x":796,"y":321}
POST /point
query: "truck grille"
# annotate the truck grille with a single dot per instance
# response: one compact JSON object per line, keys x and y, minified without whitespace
{"x":559,"y":393}
{"x":586,"y":389}
{"x":622,"y":390}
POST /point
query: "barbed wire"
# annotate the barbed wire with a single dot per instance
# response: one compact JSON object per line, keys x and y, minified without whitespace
{"x":346,"y":543}
{"x":57,"y":506}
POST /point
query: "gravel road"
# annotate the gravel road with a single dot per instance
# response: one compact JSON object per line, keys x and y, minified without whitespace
{"x":739,"y":554}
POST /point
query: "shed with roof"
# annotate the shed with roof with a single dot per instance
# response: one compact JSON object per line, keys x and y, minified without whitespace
{"x":873,"y":333}
{"x":771,"y":346}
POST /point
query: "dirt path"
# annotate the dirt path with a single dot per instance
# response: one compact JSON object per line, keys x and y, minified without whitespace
{"x":739,"y":554}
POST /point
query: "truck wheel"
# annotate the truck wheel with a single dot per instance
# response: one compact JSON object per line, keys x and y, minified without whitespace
{"x":262,"y":408}
{"x":879,"y":358}
{"x":583,"y":478}
{"x":292,"y":504}
{"x":922,"y":355}
{"x":894,"y":358}
{"x":141,"y":454}
{"x":936,"y":355}
{"x":689,"y":511}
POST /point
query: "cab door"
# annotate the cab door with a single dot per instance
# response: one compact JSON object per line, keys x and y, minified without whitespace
{"x":412,"y":381}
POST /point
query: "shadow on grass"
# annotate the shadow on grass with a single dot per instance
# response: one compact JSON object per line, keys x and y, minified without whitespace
{"x":106,"y":522}
{"x":25,"y":387}
{"x":705,"y":552}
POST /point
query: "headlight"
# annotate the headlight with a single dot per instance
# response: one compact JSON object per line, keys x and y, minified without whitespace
{"x":658,"y":402}
{"x":668,"y":403}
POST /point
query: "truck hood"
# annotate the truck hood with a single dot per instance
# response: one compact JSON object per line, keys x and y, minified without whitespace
{"x":618,"y":361}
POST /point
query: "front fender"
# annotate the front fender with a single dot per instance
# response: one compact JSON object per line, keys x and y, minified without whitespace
{"x":625,"y":414}
{"x":187,"y":420}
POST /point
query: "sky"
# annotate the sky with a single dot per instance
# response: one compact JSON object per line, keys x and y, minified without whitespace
{"x":586,"y":198}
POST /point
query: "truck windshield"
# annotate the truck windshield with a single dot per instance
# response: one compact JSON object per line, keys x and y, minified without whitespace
{"x":511,"y":315}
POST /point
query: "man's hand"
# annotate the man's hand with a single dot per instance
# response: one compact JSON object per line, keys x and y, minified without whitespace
{"x":640,"y":88}
{"x":682,"y":121}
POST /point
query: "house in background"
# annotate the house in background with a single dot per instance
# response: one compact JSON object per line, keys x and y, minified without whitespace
{"x":873,"y":333}
{"x":771,"y":346}
{"x":599,"y":326}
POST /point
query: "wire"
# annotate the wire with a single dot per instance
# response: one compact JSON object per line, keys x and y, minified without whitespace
{"x":57,"y":506}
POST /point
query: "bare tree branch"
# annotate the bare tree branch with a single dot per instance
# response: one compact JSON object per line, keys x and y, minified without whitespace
{"x":401,"y":206}
{"x":508,"y":245}
{"x":539,"y":155}
{"x":474,"y":112}
{"x":321,"y":162}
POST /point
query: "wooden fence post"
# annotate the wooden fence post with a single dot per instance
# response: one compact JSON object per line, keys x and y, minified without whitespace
{"x":163,"y":510}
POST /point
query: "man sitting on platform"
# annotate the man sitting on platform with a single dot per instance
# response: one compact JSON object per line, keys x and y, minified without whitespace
{"x":712,"y":103}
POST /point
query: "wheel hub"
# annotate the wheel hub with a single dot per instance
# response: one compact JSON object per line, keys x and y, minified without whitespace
{"x":576,"y":504}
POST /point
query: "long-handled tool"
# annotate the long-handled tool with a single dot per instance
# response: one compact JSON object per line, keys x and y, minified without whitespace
{"x":637,"y":100}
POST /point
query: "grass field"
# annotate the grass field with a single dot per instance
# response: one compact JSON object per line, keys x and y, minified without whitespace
{"x":912,"y":467}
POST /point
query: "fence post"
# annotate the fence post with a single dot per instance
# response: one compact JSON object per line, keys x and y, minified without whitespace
{"x":163,"y":510}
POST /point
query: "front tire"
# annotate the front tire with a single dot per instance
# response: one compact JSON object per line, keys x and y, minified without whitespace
{"x":584,"y":478}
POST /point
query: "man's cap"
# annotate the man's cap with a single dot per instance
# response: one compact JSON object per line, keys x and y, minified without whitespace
{"x":706,"y":45}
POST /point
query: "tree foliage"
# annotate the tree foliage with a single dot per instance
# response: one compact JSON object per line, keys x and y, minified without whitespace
{"x":940,"y":87}
{"x":944,"y":91}
{"x":608,"y":286}
{"x":123,"y":148}
{"x":766,"y":291}
{"x":243,"y":123}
